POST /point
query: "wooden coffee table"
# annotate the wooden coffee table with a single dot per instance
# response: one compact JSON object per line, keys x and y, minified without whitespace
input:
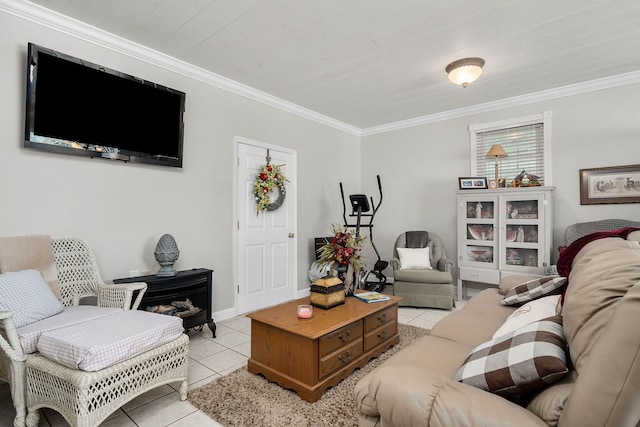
{"x":311,"y":355}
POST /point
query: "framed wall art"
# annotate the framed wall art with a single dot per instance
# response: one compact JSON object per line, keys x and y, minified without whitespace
{"x":617,"y":184}
{"x":472,"y":183}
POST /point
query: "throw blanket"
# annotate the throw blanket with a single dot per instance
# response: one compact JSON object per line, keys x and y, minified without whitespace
{"x":417,"y":239}
{"x":569,"y":253}
{"x":565,"y":260}
{"x":30,"y":252}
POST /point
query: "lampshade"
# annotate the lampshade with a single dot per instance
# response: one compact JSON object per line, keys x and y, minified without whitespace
{"x":496,"y":151}
{"x":465,"y":71}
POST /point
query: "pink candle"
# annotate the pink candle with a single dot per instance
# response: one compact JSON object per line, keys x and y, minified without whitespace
{"x":305,"y":311}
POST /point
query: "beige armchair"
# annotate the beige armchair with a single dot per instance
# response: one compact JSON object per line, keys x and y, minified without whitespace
{"x":421,"y":279}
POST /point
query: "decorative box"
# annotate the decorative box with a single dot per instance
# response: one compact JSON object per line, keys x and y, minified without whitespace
{"x":327,"y":292}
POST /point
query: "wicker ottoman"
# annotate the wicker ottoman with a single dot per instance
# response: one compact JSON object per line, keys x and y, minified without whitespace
{"x":86,"y":399}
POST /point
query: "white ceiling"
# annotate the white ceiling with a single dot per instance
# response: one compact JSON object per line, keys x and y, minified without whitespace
{"x":369,"y":63}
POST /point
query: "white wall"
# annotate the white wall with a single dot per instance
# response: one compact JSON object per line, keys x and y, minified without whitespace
{"x":123,"y":209}
{"x":419,"y":166}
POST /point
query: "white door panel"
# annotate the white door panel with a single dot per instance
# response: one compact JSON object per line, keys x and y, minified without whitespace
{"x":266,"y":259}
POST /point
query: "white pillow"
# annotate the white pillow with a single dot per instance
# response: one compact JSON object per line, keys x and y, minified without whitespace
{"x":414,"y":258}
{"x":27,"y":295}
{"x":530,"y":312}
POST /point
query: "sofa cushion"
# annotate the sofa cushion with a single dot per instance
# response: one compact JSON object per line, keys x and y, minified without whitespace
{"x":27,"y":296}
{"x":422,"y":276}
{"x":529,"y":358}
{"x":29,"y":334}
{"x":509,"y":282}
{"x":414,"y":258}
{"x":602,"y":273}
{"x":530,"y":312}
{"x":534,"y":288}
{"x":121,"y":336}
{"x":481,"y":316}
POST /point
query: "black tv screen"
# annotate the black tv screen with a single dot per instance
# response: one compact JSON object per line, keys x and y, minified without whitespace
{"x":77,"y":107}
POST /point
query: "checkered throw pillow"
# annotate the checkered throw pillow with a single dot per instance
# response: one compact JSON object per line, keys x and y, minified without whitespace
{"x":27,"y":295}
{"x":533,"y":289}
{"x":529,"y":358}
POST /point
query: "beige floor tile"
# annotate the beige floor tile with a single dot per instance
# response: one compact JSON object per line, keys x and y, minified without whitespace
{"x":223,"y":360}
{"x":203,"y":382}
{"x":197,"y":372}
{"x":162,"y":411}
{"x":149,"y":396}
{"x":233,"y":368}
{"x":244,"y":348}
{"x":237,"y":323}
{"x":422,"y":323}
{"x":121,"y":420}
{"x":198,"y":418}
{"x":233,"y":339}
{"x":202,"y":348}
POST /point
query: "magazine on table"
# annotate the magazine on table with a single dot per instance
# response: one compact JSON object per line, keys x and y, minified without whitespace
{"x":372,"y":297}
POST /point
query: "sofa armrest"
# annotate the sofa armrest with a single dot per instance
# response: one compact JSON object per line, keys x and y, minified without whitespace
{"x":395,"y":263}
{"x":446,"y":265}
{"x":410,"y":395}
{"x":121,"y":295}
{"x":9,"y":341}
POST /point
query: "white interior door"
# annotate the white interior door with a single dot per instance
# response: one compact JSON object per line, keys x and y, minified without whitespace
{"x":266,"y":257}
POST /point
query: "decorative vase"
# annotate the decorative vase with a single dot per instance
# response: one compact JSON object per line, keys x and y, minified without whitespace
{"x":351,"y":279}
{"x":166,"y":254}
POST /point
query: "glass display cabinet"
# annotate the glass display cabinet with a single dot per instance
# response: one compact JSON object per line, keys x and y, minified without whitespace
{"x":503,"y":232}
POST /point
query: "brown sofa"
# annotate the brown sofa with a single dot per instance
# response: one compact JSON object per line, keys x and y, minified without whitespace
{"x":601,"y":314}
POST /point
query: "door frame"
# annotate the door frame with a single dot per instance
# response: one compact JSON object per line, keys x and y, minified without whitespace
{"x":292,"y":196}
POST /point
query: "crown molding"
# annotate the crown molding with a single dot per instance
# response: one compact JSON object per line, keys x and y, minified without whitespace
{"x":78,"y":29}
{"x":64,"y":24}
{"x":560,"y":92}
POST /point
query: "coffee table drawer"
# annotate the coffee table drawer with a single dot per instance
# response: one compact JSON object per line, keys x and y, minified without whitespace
{"x":380,"y":318}
{"x":340,"y":358}
{"x":340,"y":338}
{"x":380,"y":335}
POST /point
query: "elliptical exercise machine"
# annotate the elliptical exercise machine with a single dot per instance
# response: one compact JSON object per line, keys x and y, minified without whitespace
{"x":373,"y":280}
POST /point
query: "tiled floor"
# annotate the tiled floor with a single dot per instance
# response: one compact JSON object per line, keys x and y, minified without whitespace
{"x":209,"y":359}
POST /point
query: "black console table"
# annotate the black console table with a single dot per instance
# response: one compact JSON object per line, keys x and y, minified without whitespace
{"x":193,"y":284}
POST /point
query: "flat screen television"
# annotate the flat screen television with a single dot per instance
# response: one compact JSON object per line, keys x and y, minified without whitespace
{"x":80,"y":108}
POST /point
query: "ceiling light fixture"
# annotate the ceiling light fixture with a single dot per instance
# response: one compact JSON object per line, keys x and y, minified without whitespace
{"x":465,"y":71}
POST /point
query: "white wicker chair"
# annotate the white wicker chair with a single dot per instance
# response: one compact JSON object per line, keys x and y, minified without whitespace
{"x":85,"y":398}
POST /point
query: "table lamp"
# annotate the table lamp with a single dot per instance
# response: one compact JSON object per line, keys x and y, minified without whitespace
{"x":496,"y":152}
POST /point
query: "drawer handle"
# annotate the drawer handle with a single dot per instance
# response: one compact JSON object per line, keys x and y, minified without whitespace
{"x":382,"y":318}
{"x":345,"y":339}
{"x":382,"y":335}
{"x":345,"y":359}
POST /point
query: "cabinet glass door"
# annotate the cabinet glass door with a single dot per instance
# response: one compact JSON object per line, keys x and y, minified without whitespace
{"x":521,"y":219}
{"x":479,"y":229}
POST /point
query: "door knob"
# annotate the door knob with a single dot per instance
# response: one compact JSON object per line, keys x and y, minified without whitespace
{"x":291,"y":235}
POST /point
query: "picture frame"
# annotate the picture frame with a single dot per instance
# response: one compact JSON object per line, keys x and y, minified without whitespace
{"x":610,"y":185}
{"x":472,"y":183}
{"x":502,"y":182}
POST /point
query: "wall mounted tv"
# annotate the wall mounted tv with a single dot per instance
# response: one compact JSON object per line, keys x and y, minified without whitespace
{"x":80,"y":108}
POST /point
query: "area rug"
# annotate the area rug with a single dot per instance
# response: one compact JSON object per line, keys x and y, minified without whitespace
{"x":242,"y":399}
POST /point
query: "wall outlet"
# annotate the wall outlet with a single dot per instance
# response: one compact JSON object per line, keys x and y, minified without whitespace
{"x":134,"y":273}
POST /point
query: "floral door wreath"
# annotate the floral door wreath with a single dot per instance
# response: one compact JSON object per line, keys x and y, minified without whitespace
{"x":267,"y":180}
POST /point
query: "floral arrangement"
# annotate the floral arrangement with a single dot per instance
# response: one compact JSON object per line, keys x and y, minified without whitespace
{"x":344,"y":248}
{"x":265,"y":183}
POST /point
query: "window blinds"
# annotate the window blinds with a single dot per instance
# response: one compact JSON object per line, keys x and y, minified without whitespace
{"x":524,"y":146}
